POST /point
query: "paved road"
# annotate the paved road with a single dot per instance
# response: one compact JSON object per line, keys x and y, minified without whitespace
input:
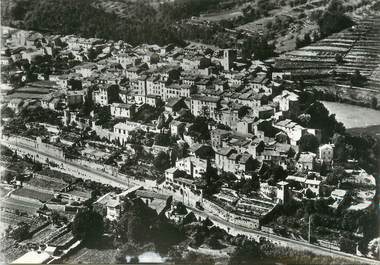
{"x":103,"y":177}
{"x":282,"y":240}
{"x":108,"y":179}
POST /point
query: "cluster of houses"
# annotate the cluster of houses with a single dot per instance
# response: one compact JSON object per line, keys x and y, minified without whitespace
{"x":250,"y":111}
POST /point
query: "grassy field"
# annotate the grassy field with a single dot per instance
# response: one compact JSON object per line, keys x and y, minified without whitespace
{"x":46,"y":184}
{"x":353,"y":116}
{"x":23,"y":206}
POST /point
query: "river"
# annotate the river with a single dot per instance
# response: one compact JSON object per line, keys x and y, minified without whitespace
{"x":353,"y":116}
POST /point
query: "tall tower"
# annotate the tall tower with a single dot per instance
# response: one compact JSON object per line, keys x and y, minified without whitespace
{"x":229,"y":56}
{"x":282,"y":192}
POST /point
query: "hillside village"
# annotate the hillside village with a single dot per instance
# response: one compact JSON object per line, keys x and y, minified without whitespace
{"x":194,"y":130}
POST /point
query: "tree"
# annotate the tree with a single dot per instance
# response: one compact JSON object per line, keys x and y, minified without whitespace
{"x":87,"y":106}
{"x":196,"y":259}
{"x":19,"y":11}
{"x":134,"y":260}
{"x":200,"y":129}
{"x":350,"y":221}
{"x":213,"y":242}
{"x":374,"y":102}
{"x":180,"y":208}
{"x":309,"y":194}
{"x":333,"y":19}
{"x":336,"y":176}
{"x":136,"y":223}
{"x":249,"y":185}
{"x":161,"y":121}
{"x":162,"y":139}
{"x":304,"y":119}
{"x":363,"y":246}
{"x":7,"y":113}
{"x":88,"y":225}
{"x":166,"y":234}
{"x":56,"y":218}
{"x":291,"y":153}
{"x":258,"y":46}
{"x":309,"y":143}
{"x":357,"y":79}
{"x":247,"y":253}
{"x":102,"y":115}
{"x":304,"y":42}
{"x":92,"y":54}
{"x":320,"y":118}
{"x":207,"y":222}
{"x":347,"y":245}
{"x":339,"y":58}
{"x":7,"y":176}
{"x":162,"y":161}
{"x":21,"y":232}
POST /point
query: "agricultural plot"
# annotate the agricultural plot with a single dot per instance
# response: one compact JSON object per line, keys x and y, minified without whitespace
{"x":11,"y":218}
{"x":20,"y":205}
{"x":115,"y":7}
{"x":12,"y":253}
{"x":47,"y":184}
{"x":33,"y":194}
{"x":285,"y":24}
{"x":42,"y":236}
{"x":125,"y":8}
{"x":358,"y":46}
{"x":89,"y":256}
{"x":223,"y":15}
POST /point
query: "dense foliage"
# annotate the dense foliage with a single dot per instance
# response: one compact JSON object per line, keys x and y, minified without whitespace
{"x":140,"y":224}
{"x":333,"y":19}
{"x":88,"y":225}
{"x":142,"y":24}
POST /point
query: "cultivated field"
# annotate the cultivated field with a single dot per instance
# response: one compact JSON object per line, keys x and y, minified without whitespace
{"x":359,"y":47}
{"x":223,"y":15}
{"x":37,"y":195}
{"x":353,"y":116}
{"x":89,"y":256}
{"x":22,"y":206}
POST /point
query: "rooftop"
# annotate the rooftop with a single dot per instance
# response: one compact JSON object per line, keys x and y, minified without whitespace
{"x":206,"y":98}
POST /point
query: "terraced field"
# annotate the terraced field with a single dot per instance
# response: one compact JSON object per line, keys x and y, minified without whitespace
{"x":359,"y":47}
{"x":364,"y":54}
{"x":125,"y":8}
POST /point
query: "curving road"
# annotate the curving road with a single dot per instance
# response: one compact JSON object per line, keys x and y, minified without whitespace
{"x":83,"y":172}
{"x":318,"y":250}
{"x":230,"y":227}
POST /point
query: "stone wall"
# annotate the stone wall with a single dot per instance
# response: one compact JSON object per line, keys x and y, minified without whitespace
{"x":248,"y":222}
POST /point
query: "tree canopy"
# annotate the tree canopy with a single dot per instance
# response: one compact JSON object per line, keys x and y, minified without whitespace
{"x":334,"y":18}
{"x":309,"y":143}
{"x":88,"y":225}
{"x":162,"y":161}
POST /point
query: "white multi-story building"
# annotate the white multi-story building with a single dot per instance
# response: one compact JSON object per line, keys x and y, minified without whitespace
{"x":204,"y":105}
{"x":120,"y":110}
